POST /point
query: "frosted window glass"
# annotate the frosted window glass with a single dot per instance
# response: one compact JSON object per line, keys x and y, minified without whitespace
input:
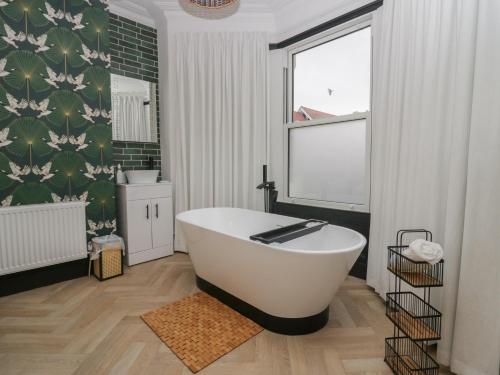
{"x":327,"y":162}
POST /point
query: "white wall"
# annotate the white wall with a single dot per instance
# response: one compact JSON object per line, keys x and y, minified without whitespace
{"x":277,"y":61}
{"x":281,"y":18}
{"x":179,"y":21}
{"x":133,"y":12}
{"x":296,"y":16}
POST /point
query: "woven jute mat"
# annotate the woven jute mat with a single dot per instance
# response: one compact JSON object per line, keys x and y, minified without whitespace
{"x":199,"y":329}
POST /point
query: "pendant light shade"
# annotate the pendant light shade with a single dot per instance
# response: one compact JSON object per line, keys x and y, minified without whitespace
{"x":210,"y":9}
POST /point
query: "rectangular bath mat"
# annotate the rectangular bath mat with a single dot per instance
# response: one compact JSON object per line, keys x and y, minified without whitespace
{"x":199,"y":329}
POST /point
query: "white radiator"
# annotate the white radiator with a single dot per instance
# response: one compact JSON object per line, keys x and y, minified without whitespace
{"x":34,"y":236}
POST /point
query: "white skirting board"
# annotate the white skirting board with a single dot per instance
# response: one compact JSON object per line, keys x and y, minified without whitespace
{"x":35,"y":236}
{"x":147,"y":255}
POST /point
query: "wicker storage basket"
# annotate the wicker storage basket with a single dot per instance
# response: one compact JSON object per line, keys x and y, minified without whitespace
{"x":109,"y":264}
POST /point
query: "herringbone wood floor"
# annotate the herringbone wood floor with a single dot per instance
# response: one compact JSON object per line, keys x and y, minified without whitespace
{"x":85,"y":326}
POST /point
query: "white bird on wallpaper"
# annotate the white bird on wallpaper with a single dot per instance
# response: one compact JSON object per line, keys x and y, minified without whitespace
{"x":110,"y":225}
{"x":3,"y":73}
{"x":3,"y":137}
{"x":94,"y":227}
{"x":90,"y":113}
{"x":41,"y":107}
{"x":88,"y":54}
{"x":55,"y":140}
{"x":56,"y":198}
{"x":14,"y":104}
{"x":107,"y":115}
{"x":79,"y":141}
{"x":54,"y":78}
{"x":17,"y":171}
{"x":40,"y":42}
{"x":82,"y":198}
{"x":91,"y":171}
{"x":109,"y":170}
{"x":11,"y":37}
{"x":106,"y":57}
{"x":76,"y":20}
{"x":44,"y":171}
{"x":52,"y":15}
{"x":105,"y":2}
{"x":7,"y":201}
{"x":10,"y":41}
{"x":77,"y":81}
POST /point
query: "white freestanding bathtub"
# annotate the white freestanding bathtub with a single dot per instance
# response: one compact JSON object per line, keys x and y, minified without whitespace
{"x":285,"y":287}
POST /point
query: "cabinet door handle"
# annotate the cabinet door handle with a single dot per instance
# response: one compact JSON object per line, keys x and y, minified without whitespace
{"x":147,"y":211}
{"x":157,"y":211}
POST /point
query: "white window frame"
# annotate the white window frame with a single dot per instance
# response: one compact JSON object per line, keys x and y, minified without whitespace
{"x":323,"y":38}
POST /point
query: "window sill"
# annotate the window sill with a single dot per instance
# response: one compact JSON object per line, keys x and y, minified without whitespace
{"x":365,"y":208}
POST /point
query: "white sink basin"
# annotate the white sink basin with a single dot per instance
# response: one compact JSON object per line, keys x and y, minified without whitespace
{"x":142,"y":177}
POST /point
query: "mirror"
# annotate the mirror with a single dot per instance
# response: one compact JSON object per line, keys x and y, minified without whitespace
{"x":134,"y":109}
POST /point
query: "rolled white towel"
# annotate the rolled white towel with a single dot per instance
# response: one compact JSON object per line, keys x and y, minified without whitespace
{"x":424,"y":251}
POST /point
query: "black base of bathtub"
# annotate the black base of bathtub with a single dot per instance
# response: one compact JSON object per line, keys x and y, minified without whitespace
{"x":284,"y":326}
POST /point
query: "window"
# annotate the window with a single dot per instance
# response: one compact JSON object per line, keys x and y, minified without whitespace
{"x":327,"y":134}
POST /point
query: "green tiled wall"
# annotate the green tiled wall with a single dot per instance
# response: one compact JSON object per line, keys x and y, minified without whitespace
{"x":134,"y":53}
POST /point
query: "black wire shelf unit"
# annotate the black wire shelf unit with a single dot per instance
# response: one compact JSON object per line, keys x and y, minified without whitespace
{"x":406,"y":357}
{"x":416,"y":321}
{"x":416,"y":274}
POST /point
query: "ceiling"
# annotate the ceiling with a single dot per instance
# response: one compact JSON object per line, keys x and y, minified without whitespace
{"x":170,"y":5}
{"x":289,"y":16}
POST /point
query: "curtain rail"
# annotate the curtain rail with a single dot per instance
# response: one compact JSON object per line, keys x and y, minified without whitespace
{"x":358,"y":12}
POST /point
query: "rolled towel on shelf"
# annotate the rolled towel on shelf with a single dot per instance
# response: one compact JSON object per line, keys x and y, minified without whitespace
{"x":424,"y":251}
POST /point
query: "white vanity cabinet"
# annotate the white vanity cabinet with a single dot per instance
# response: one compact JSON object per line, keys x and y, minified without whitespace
{"x":145,"y":221}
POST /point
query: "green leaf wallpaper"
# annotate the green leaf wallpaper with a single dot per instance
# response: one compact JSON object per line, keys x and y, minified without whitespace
{"x":55,"y":107}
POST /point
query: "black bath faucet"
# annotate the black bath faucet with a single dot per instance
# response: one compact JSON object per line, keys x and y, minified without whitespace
{"x":265,"y":184}
{"x":270,"y":194}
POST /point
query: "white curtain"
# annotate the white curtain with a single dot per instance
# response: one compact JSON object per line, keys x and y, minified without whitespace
{"x":476,"y":343}
{"x":217,"y":119}
{"x":424,"y":62}
{"x":130,"y":119}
